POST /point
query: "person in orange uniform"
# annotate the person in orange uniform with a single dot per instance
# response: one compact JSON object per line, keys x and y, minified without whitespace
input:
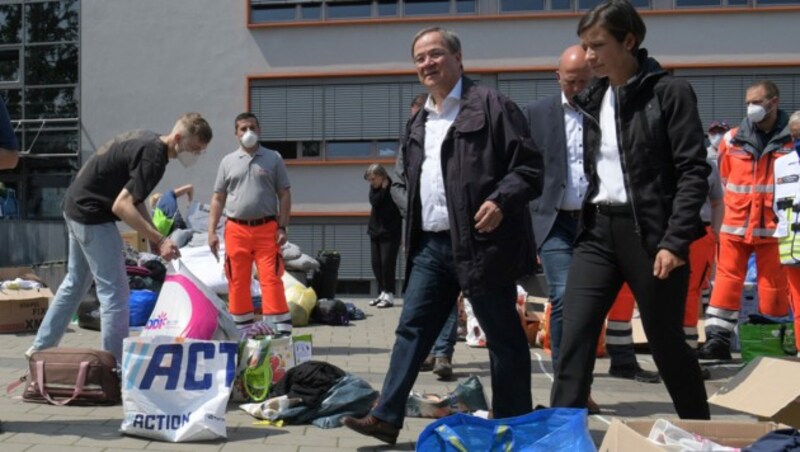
{"x":252,"y":187}
{"x":747,"y":155}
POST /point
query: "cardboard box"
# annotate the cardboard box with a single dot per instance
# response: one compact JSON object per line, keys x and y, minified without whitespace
{"x":766,"y":388}
{"x":136,"y":241}
{"x":631,"y":435}
{"x":21,"y":310}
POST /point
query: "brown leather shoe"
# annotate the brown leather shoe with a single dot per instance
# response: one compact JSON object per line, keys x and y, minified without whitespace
{"x":592,"y":406}
{"x":443,"y":367}
{"x":427,"y":365}
{"x":369,"y":425}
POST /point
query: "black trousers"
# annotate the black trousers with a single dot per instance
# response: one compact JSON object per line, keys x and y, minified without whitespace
{"x":384,"y":262}
{"x":608,"y":253}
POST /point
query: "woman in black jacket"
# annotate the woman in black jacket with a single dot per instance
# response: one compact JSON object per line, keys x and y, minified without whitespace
{"x":385,"y":229}
{"x":644,"y":157}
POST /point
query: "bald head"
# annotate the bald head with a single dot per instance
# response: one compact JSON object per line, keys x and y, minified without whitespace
{"x":573,"y":72}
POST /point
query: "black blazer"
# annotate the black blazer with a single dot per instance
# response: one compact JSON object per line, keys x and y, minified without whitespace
{"x":546,"y":120}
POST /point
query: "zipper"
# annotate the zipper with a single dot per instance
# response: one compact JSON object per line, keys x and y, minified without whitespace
{"x":623,"y":161}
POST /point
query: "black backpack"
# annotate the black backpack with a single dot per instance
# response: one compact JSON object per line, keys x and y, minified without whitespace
{"x":331,"y":311}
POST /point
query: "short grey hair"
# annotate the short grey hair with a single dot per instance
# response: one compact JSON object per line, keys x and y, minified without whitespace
{"x":376,"y":169}
{"x":449,"y":37}
{"x":795,"y":117}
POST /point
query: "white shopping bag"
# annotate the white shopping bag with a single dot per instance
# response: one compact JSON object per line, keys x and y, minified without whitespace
{"x":475,"y":334}
{"x":176,"y":390}
{"x":186,"y":308}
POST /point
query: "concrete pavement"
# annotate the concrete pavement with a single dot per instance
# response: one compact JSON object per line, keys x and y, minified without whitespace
{"x":363,"y":348}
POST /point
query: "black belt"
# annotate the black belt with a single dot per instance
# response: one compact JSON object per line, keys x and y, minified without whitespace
{"x":574,"y":214}
{"x":256,"y":222}
{"x":438,"y":234}
{"x":613,"y":209}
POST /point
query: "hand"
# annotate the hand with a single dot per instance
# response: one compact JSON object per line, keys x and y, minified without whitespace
{"x":213,"y":244}
{"x":169,"y":250}
{"x":665,"y":262}
{"x":489,"y":217}
{"x":385,"y":183}
{"x":281,"y":237}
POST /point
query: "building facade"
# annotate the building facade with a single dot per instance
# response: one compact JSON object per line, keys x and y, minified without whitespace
{"x":330,"y":81}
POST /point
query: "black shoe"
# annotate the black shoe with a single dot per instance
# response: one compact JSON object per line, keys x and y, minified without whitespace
{"x":427,"y":365}
{"x":443,"y":367}
{"x":634,"y":372}
{"x":592,"y":406}
{"x":705,"y":373}
{"x":369,"y":425}
{"x":715,"y":349}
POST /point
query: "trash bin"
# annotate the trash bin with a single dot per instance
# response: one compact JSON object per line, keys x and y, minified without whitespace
{"x":325,"y":279}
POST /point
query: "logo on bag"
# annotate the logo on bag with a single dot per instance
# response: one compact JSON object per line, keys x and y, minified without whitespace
{"x":176,"y":367}
{"x":157,"y":323}
{"x":788,"y":179}
{"x":160,"y":421}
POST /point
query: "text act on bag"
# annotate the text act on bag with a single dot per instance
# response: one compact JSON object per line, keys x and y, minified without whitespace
{"x":168,"y":361}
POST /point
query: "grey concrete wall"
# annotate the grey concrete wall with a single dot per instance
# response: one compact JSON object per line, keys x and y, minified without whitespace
{"x":143,"y":62}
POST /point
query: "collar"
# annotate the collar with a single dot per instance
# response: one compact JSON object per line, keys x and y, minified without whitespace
{"x":242,"y":153}
{"x":565,"y":103}
{"x":454,"y":96}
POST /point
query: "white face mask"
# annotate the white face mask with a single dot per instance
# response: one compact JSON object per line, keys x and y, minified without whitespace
{"x":187,"y":158}
{"x":715,"y":138}
{"x":249,"y":139}
{"x":756,"y":113}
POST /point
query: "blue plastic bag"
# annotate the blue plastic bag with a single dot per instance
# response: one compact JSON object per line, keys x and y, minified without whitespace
{"x":142,"y":303}
{"x":543,"y":430}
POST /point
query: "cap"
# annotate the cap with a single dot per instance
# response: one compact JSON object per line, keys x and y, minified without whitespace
{"x":719,"y":125}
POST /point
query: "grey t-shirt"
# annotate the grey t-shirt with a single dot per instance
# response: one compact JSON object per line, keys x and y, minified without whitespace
{"x":251,"y":183}
{"x":714,"y":191}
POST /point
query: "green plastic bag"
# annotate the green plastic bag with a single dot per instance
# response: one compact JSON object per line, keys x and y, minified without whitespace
{"x":162,"y":223}
{"x":772,"y":339}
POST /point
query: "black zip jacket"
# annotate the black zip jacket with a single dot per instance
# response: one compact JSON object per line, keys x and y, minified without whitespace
{"x":487,"y":154}
{"x":663,"y":156}
{"x":384,"y":218}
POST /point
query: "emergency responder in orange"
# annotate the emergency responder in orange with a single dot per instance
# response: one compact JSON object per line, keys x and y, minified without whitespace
{"x":747,"y":155}
{"x":252,"y":187}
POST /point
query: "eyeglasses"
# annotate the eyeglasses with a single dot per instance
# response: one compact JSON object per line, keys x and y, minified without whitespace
{"x":435,"y":54}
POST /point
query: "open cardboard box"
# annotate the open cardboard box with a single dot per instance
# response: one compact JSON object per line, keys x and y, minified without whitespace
{"x":21,"y":310}
{"x":766,"y":388}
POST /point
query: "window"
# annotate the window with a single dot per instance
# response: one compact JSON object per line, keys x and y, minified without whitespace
{"x":418,"y":7}
{"x":589,"y":4}
{"x":689,"y":3}
{"x":465,"y":6}
{"x":521,"y":5}
{"x":352,"y":149}
{"x":9,"y":65}
{"x":276,"y":11}
{"x":39,"y":67}
{"x":341,"y":10}
{"x":387,"y":7}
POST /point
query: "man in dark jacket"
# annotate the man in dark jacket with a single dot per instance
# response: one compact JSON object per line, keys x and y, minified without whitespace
{"x":645,"y":159}
{"x":471,"y":170}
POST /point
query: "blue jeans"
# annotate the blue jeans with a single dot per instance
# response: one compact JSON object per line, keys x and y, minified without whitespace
{"x":446,"y":341}
{"x":556,"y":255}
{"x":429,"y":299}
{"x":95,"y":252}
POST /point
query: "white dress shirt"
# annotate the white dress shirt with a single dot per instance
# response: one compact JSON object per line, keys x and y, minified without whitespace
{"x":576,"y":179}
{"x":609,"y":167}
{"x":434,"y":203}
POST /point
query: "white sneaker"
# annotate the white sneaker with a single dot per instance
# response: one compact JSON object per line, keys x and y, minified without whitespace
{"x":377,"y":300}
{"x":387,"y":301}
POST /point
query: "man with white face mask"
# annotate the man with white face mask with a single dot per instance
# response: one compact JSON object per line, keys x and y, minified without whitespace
{"x":113,"y":185}
{"x":715,"y":133}
{"x":253,"y":189}
{"x":747,"y":156}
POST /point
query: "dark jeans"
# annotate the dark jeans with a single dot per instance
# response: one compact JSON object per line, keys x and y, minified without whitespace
{"x":608,"y":253}
{"x":384,"y":262}
{"x":556,"y":254}
{"x":428,"y":302}
{"x":445,"y":343}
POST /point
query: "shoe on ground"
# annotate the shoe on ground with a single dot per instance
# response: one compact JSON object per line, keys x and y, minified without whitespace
{"x":592,"y":406}
{"x":443,"y":367}
{"x":715,"y":350}
{"x":387,"y":301}
{"x":705,"y":373}
{"x":634,"y":372}
{"x":369,"y":425}
{"x":378,"y":299}
{"x":427,"y":365}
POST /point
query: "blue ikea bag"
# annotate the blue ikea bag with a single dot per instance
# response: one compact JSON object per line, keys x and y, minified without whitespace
{"x":142,"y":303}
{"x":544,"y":430}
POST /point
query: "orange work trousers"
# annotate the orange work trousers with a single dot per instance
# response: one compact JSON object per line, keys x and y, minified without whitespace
{"x":793,"y":275}
{"x":773,"y":293}
{"x":701,"y":260}
{"x":243,"y":245}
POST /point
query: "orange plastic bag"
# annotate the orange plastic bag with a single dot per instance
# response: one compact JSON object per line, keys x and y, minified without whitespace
{"x":543,"y":338}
